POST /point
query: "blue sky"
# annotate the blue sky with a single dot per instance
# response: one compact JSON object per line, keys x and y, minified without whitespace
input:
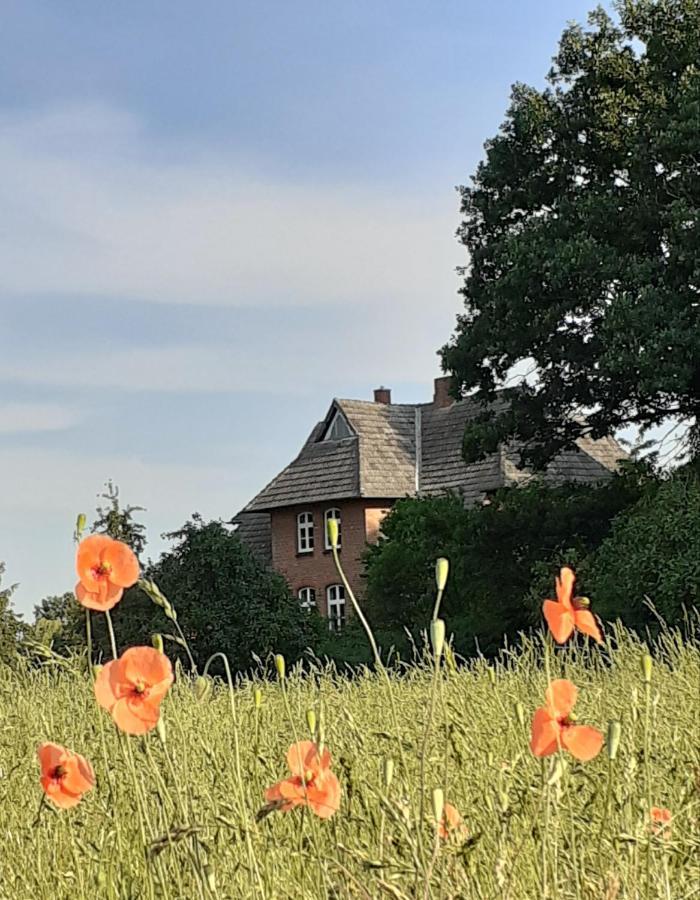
{"x":215,"y":219}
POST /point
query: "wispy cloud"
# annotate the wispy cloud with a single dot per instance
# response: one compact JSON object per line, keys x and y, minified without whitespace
{"x":109,"y":213}
{"x":23,"y":418}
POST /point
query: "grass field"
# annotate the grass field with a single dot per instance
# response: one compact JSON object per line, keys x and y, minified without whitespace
{"x":178,"y":819}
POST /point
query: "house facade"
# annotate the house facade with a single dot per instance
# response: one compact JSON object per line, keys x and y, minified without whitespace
{"x":355,"y":464}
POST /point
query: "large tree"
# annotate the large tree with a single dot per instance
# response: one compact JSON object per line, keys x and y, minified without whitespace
{"x":582,"y":226}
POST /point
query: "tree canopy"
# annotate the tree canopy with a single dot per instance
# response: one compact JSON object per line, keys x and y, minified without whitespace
{"x":582,"y":231}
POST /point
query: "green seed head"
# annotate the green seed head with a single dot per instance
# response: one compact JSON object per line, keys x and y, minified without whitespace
{"x":257,"y":698}
{"x":279,"y":665}
{"x":647,"y":664}
{"x":311,"y":722}
{"x":613,"y":738}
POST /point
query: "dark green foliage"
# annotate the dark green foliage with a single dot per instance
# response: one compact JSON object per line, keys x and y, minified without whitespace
{"x":582,"y":231}
{"x":59,"y":623}
{"x":11,"y":626}
{"x":494,"y":552}
{"x":652,"y":551}
{"x":225,"y":600}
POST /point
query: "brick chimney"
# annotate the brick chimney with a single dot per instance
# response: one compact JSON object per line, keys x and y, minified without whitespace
{"x":382,"y":395}
{"x":441,"y":391}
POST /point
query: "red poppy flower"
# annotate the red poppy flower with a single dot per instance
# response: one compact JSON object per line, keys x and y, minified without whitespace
{"x":661,"y":821}
{"x":65,"y":776}
{"x":132,"y":688}
{"x":568,"y":613}
{"x":105,"y":567}
{"x":452,"y":825}
{"x":552,"y":726}
{"x":312,"y":783}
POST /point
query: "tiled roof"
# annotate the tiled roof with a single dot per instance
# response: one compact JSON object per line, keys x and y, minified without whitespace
{"x":254,"y":530}
{"x":400,"y":449}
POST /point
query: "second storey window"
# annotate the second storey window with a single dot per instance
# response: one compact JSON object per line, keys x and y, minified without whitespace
{"x":305,"y":532}
{"x":307,"y":598}
{"x":335,"y":600}
{"x":333,"y":513}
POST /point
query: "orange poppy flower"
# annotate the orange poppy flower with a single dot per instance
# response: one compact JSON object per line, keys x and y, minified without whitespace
{"x":105,"y":567}
{"x":132,"y":688}
{"x":568,"y":613}
{"x":661,"y":820}
{"x":552,"y":726}
{"x":65,"y":776}
{"x":452,"y":825}
{"x":312,"y":783}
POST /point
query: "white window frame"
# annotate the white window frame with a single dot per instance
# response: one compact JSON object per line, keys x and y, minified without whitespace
{"x":307,"y":598}
{"x":335,"y":607}
{"x":332,"y":513}
{"x":305,"y":532}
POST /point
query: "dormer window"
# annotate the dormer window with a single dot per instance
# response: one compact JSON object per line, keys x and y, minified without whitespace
{"x":338,"y":428}
{"x":305,"y":532}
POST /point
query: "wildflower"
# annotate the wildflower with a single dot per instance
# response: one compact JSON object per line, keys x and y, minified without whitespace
{"x":132,"y":688}
{"x":552,"y":725}
{"x":660,"y":821}
{"x":312,"y":783}
{"x":65,"y":776}
{"x":568,"y":613}
{"x":105,"y":567}
{"x":452,"y":825}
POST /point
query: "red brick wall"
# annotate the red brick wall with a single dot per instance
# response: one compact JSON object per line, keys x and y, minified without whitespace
{"x":360,"y":520}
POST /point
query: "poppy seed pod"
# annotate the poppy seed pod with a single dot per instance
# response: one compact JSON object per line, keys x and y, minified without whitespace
{"x":442,"y":569}
{"x":437,"y":637}
{"x":280,"y":666}
{"x":438,"y":804}
{"x":647,"y":664}
{"x":612,"y":741}
{"x":157,"y":642}
{"x":332,"y":528}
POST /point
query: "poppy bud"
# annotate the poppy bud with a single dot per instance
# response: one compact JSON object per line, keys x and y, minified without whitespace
{"x":80,"y":523}
{"x":450,"y":659}
{"x":96,"y":670}
{"x":210,"y":877}
{"x":437,"y":637}
{"x":613,"y":738}
{"x":332,"y":528}
{"x":492,"y":675}
{"x":520,"y":714}
{"x":202,"y":686}
{"x":160,"y":730}
{"x":442,"y":569}
{"x":647,"y":664}
{"x":321,"y":730}
{"x":311,"y":721}
{"x":388,"y":772}
{"x":157,"y":641}
{"x":279,"y":665}
{"x":257,"y":698}
{"x":438,"y":804}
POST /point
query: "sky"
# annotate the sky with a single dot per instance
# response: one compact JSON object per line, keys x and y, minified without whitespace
{"x":215,"y":218}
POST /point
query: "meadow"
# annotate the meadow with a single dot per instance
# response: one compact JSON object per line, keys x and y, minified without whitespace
{"x":180,"y":812}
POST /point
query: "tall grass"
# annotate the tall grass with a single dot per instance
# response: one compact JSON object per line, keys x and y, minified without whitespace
{"x":537,"y":829}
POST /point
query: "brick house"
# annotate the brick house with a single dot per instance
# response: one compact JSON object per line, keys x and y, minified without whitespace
{"x":361,"y":458}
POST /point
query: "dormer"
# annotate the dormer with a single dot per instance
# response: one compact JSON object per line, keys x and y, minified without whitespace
{"x":338,"y":428}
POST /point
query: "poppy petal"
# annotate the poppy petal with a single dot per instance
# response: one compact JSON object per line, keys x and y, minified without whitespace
{"x":545,"y":732}
{"x":565,"y":586}
{"x":302,"y":756}
{"x":325,"y":800}
{"x":89,"y":557}
{"x":147,"y":665}
{"x":101,"y":600}
{"x":586,"y":623}
{"x":127,"y":720}
{"x":124,"y":567}
{"x":78,"y":778}
{"x":104,"y":693}
{"x":559,"y":619}
{"x":561,"y":698}
{"x":58,"y":795}
{"x":50,"y":756}
{"x":582,"y":741}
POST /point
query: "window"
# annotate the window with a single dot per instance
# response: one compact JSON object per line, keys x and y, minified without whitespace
{"x":335,"y":600}
{"x":333,"y":513}
{"x":307,"y":598}
{"x":338,"y":429}
{"x":305,"y":532}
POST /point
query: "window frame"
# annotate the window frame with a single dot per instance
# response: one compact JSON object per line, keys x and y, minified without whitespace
{"x":305,"y":532}
{"x":336,"y":620}
{"x":338,"y":417}
{"x":326,"y":517}
{"x":308,"y":603}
